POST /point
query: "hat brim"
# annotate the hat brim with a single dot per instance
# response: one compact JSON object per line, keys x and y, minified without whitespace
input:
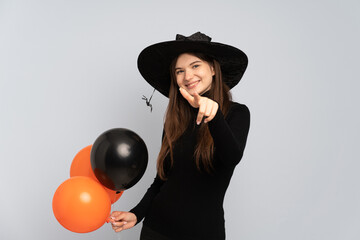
{"x":154,"y":61}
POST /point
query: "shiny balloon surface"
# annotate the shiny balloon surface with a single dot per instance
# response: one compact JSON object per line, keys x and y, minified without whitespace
{"x":119,"y":158}
{"x":81,"y":204}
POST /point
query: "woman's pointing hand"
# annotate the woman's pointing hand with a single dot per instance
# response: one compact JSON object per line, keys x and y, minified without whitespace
{"x":207,"y":107}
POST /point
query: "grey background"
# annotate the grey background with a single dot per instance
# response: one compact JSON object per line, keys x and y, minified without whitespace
{"x":68,"y":73}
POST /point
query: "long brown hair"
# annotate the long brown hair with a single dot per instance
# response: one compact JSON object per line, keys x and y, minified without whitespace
{"x":179,"y":114}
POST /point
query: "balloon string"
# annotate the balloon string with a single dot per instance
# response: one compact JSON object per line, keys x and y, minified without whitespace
{"x":118,"y":236}
{"x":112,"y":210}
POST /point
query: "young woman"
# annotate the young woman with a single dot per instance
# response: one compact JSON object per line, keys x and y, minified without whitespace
{"x":203,"y":139}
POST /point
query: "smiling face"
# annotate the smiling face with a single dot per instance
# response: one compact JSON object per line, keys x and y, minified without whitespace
{"x":193,"y":74}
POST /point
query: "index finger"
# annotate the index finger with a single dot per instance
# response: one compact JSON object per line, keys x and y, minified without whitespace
{"x":187,"y":95}
{"x":196,"y":97}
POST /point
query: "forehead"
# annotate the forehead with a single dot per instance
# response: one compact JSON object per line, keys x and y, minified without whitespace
{"x":186,"y":59}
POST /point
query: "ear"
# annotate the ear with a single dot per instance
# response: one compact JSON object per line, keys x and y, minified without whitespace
{"x":212,"y":70}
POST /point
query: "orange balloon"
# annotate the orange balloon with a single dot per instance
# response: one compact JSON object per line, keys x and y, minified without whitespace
{"x":113,"y":195}
{"x":81,"y":166}
{"x":81,"y":204}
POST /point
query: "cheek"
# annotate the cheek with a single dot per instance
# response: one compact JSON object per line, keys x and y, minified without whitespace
{"x":208,"y":77}
{"x":178,"y":81}
{"x":209,"y":81}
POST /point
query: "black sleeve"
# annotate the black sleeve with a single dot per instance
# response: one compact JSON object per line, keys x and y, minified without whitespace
{"x":142,"y":208}
{"x":230,"y":134}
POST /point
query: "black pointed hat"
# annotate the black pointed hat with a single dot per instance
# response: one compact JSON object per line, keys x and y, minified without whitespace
{"x":154,"y":61}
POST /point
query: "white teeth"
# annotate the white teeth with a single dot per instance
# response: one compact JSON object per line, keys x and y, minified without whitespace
{"x":192,"y":84}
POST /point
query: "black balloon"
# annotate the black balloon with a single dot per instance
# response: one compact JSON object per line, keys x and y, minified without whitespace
{"x":119,"y":158}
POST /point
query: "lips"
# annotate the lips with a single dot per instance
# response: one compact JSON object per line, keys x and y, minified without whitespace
{"x":192,"y":84}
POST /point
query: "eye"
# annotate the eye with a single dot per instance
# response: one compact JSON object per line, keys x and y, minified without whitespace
{"x":178,"y":72}
{"x":196,"y":66}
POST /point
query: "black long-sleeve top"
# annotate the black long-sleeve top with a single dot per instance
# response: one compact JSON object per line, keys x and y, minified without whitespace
{"x":189,"y":204}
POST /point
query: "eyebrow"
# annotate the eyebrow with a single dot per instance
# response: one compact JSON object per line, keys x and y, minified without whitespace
{"x":197,"y":61}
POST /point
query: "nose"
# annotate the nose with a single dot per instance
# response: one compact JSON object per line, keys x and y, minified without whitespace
{"x":188,"y":75}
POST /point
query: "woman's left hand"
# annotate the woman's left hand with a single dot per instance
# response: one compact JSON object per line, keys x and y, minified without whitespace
{"x":207,"y":107}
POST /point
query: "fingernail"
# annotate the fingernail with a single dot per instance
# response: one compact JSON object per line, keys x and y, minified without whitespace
{"x":112,"y":218}
{"x":198,"y":123}
{"x":125,"y":223}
